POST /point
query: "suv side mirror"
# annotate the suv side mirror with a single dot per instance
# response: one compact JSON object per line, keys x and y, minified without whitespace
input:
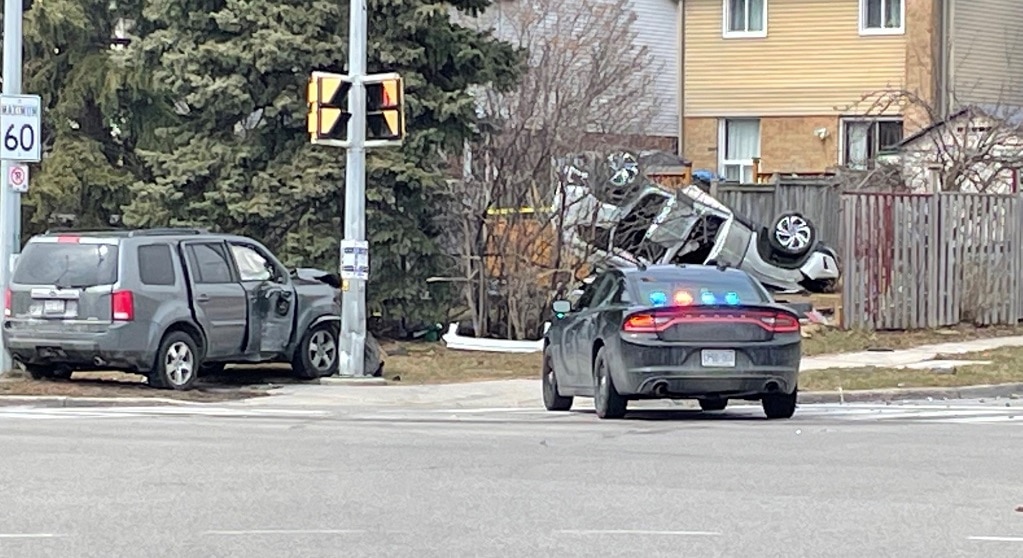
{"x":562,"y":307}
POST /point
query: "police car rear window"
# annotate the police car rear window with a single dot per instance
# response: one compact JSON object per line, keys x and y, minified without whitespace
{"x":715,"y":288}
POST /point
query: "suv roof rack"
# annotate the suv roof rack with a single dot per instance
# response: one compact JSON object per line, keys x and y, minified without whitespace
{"x":62,"y":230}
{"x":166,"y":231}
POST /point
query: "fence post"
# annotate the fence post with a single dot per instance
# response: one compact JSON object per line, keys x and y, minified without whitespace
{"x":935,"y":242}
{"x":1014,"y":251}
{"x":849,"y":263}
{"x":714,"y":188}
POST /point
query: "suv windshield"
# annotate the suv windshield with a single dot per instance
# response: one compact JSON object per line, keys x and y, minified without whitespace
{"x":676,"y":223}
{"x":68,"y":265}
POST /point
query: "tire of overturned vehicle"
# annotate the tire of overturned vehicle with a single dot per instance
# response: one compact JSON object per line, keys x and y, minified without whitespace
{"x":793,"y":234}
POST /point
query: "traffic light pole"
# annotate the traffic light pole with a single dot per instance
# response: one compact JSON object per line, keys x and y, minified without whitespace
{"x":10,"y":201}
{"x":353,"y":301}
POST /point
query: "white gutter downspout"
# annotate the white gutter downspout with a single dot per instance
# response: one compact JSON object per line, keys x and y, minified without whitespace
{"x":681,"y":78}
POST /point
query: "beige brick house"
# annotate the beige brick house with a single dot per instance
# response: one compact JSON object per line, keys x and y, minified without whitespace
{"x":806,"y":85}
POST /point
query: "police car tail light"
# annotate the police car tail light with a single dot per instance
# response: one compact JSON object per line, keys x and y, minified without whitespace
{"x":780,"y":322}
{"x":122,"y":306}
{"x":663,"y":318}
{"x":646,"y":323}
{"x":8,"y":297}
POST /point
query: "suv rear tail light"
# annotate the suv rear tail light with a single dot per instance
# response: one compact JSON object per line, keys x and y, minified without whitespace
{"x":122,"y":306}
{"x":8,"y":307}
{"x":659,"y":320}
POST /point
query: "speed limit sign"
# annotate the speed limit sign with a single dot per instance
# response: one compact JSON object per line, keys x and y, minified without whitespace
{"x":21,"y":121}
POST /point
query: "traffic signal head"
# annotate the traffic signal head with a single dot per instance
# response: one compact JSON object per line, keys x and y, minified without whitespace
{"x":327,"y":96}
{"x":385,"y":107}
{"x":328,"y":118}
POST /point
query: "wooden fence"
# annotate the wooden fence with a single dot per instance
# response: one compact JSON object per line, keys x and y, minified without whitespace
{"x":931,"y":260}
{"x":909,"y":260}
{"x":762,"y":203}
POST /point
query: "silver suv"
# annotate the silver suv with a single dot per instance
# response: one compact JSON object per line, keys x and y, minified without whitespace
{"x":165,"y":303}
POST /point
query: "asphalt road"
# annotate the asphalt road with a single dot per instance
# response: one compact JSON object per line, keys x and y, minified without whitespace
{"x":388,"y":484}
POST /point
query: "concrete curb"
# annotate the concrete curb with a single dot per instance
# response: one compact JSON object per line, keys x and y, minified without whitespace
{"x":52,"y":401}
{"x":898,"y":394}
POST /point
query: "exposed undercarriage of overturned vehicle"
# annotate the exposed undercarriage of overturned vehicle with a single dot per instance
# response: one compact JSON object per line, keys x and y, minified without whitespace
{"x":635,"y":221}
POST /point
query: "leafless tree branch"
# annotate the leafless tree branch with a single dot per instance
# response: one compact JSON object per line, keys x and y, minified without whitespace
{"x":588,"y":87}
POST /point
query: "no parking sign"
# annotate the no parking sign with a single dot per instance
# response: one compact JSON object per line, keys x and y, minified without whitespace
{"x":17,"y":177}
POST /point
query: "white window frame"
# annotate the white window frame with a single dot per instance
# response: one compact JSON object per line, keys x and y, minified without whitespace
{"x":726,"y":18}
{"x":885,"y":4}
{"x":843,"y":123}
{"x":723,"y":147}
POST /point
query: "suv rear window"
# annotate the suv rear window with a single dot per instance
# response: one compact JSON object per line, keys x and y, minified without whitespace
{"x":66,"y":264}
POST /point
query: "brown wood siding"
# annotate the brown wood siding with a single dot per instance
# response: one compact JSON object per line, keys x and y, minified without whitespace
{"x":813,"y":61}
{"x":986,"y":61}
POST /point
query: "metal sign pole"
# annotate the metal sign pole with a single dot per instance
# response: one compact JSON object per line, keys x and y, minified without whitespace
{"x":353,"y":303}
{"x":10,"y":201}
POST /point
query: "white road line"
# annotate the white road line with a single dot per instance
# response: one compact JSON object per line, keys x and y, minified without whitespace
{"x":899,"y":407}
{"x":225,"y":411}
{"x":52,"y":415}
{"x":865,"y":415}
{"x":489,"y":410}
{"x":924,"y":415}
{"x":997,"y":539}
{"x":981,"y":419}
{"x":142,"y":412}
{"x":637,"y":532}
{"x":29,"y":535}
{"x":284,"y":532}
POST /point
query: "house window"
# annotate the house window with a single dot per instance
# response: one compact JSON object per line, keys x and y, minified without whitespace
{"x":862,"y":140}
{"x":745,"y":18}
{"x":740,"y":144}
{"x":882,"y":17}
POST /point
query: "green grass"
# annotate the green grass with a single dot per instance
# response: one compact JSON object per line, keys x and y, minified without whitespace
{"x":1006,"y":367}
{"x":432,"y":363}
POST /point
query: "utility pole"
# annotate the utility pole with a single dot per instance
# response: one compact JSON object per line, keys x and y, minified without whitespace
{"x":353,"y":301}
{"x":20,"y":141}
{"x":355,"y":111}
{"x":14,"y":69}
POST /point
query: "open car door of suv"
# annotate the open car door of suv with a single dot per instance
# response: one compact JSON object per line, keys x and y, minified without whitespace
{"x":218,"y":298}
{"x":271,"y":299}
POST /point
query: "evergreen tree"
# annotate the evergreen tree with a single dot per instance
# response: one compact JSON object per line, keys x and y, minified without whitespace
{"x":238,"y":159}
{"x":95,"y":112}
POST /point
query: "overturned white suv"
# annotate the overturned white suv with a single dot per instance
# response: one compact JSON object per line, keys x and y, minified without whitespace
{"x":642,"y":222}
